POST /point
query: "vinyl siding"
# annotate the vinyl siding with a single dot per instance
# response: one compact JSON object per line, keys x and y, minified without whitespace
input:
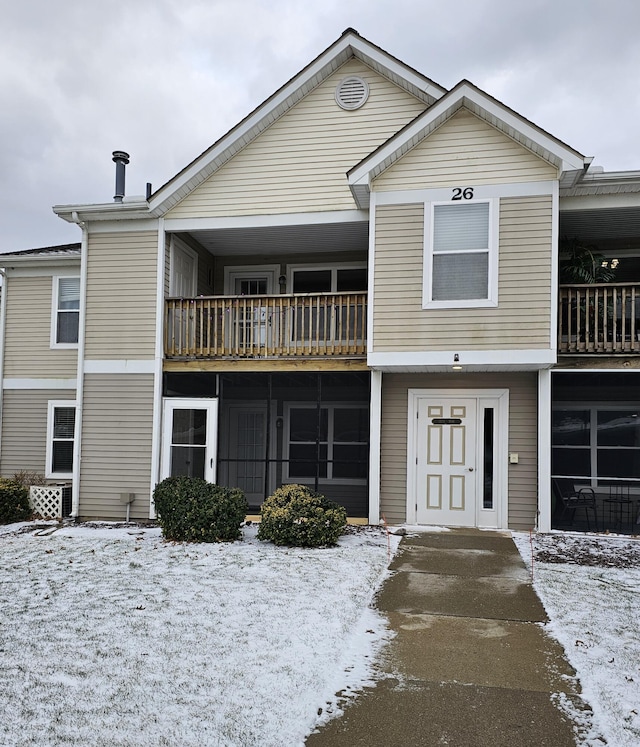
{"x":121,"y":295}
{"x":523,"y":477}
{"x":116,"y":445}
{"x":299,"y":164}
{"x":28,"y":351}
{"x":522,"y":319}
{"x":24,"y":428}
{"x":464,"y":151}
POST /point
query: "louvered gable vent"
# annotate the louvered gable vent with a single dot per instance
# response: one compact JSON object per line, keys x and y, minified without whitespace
{"x":352,"y":93}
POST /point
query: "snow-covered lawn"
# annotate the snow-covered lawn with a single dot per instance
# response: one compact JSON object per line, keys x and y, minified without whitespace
{"x":590,"y":587}
{"x":110,"y":637}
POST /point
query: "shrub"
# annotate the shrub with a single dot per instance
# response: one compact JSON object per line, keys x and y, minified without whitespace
{"x":297,"y":516}
{"x":14,"y":501}
{"x":28,"y":477}
{"x":193,"y":510}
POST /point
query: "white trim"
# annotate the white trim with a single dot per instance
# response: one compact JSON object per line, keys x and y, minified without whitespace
{"x":480,"y":191}
{"x":176,"y":244}
{"x":266,"y":221}
{"x":487,"y":359}
{"x":156,"y":432}
{"x":210,"y":404}
{"x":544,"y":451}
{"x":26,"y":383}
{"x":120,"y":366}
{"x":3,"y":329}
{"x":55,"y":293}
{"x":319,"y":266}
{"x":492,"y":250}
{"x":444,"y":108}
{"x":67,"y":267}
{"x":598,"y":202}
{"x":77,"y":444}
{"x":555,"y":262}
{"x":371,"y":273}
{"x":375,"y":430}
{"x":232,"y":273}
{"x":52,"y":405}
{"x":499,"y":398}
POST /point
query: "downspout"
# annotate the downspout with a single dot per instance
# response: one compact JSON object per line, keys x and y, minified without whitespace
{"x":77,"y":434}
{"x":156,"y":438}
{"x":3,"y":316}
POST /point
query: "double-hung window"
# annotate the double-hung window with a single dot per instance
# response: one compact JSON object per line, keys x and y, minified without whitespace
{"x":61,"y":422}
{"x":66,"y":312}
{"x":461,"y":255}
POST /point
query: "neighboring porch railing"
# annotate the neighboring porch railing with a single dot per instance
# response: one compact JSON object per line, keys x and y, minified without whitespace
{"x":301,"y":325}
{"x":599,"y":318}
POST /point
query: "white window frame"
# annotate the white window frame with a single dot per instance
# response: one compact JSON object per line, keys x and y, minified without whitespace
{"x":331,"y":407}
{"x":334,"y":267}
{"x":55,"y":296}
{"x":492,"y":241}
{"x":52,"y":406}
{"x":243,"y":272}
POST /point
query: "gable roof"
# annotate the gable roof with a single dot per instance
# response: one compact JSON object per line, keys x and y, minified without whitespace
{"x":47,"y":252}
{"x":484,"y":106}
{"x":349,"y":45}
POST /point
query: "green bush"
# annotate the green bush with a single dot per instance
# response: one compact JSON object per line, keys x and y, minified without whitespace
{"x":297,"y":516}
{"x":14,"y":501}
{"x":193,"y":510}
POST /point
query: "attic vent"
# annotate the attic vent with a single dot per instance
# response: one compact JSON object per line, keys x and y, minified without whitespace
{"x":352,"y":93}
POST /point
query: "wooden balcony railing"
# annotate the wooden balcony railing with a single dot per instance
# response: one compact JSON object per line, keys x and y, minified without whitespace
{"x":599,"y":318}
{"x":301,"y":325}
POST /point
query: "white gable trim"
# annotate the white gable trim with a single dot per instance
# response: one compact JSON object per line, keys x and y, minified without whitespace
{"x":266,"y":221}
{"x":477,"y":102}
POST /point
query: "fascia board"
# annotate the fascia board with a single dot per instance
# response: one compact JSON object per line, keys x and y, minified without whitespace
{"x":443,"y":109}
{"x":104,"y":211}
{"x":348,"y":45}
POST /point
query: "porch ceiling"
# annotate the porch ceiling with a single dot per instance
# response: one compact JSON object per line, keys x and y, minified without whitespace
{"x":277,"y":240}
{"x":595,"y":225}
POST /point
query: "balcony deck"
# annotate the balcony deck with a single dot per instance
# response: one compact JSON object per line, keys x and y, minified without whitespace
{"x":319,"y":325}
{"x":597,"y":319}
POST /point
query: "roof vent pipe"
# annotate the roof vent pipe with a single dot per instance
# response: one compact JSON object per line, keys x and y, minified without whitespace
{"x":121,"y":159}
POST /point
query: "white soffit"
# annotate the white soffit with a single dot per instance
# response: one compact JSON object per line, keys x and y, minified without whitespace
{"x":349,"y":45}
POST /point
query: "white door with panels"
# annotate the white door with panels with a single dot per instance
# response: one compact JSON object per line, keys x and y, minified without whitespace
{"x":446,"y":462}
{"x":457,"y":457}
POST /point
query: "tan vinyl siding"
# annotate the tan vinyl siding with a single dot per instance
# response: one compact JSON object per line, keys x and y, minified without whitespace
{"x":522,"y":319}
{"x":463,"y":152}
{"x":24,"y":428}
{"x":523,"y":477}
{"x":121,"y":295}
{"x":299,"y":164}
{"x":28,"y":351}
{"x":116,"y":445}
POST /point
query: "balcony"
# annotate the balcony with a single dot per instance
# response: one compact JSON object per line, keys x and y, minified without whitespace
{"x":599,"y":319}
{"x":320,"y":325}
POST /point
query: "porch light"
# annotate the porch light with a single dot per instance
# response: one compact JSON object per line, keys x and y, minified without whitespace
{"x":456,"y":362}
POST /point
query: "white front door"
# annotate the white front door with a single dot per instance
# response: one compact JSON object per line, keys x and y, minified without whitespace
{"x":190,"y":438}
{"x":446,"y":462}
{"x":184,"y":267}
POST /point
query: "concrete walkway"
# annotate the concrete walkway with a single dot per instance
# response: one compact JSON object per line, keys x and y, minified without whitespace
{"x":470,"y":665}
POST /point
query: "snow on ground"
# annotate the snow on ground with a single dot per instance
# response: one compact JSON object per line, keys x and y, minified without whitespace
{"x":115,"y":637}
{"x":590,"y":587}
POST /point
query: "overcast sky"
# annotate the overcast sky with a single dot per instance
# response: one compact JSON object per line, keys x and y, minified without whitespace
{"x":163,"y":79}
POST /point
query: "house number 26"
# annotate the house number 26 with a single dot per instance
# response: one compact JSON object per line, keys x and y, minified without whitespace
{"x":462,"y":193}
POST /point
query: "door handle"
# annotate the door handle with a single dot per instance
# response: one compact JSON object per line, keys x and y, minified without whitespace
{"x":470,"y":469}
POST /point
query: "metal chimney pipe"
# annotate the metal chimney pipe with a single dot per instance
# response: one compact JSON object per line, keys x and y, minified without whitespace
{"x":121,"y":159}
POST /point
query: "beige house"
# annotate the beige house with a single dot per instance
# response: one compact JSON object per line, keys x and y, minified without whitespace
{"x":356,"y":288}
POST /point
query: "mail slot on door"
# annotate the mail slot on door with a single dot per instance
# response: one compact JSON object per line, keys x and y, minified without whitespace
{"x":447,"y":421}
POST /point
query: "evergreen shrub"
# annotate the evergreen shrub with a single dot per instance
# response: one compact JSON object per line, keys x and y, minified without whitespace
{"x":297,"y":516}
{"x":14,"y":501}
{"x":193,"y":510}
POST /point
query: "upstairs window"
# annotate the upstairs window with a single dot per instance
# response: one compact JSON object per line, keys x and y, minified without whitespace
{"x":60,"y":438}
{"x":461,"y":256}
{"x":66,"y":312}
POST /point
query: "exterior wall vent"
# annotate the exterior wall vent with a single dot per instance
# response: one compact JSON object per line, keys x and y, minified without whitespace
{"x":352,"y":93}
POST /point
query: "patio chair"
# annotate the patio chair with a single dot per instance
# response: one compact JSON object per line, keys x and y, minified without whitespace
{"x":573,"y":500}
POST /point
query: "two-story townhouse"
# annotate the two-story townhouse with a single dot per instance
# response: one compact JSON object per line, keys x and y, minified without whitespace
{"x":355,"y":288}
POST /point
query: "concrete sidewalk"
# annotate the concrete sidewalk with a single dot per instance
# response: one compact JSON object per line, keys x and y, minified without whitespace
{"x":470,"y":665}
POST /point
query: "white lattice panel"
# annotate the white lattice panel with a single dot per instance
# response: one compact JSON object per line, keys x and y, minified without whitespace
{"x":46,"y":501}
